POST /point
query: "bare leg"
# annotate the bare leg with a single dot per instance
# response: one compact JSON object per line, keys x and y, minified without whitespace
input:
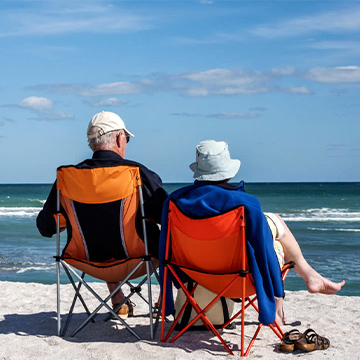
{"x":118,"y":297}
{"x":315,"y":283}
{"x":279,"y":317}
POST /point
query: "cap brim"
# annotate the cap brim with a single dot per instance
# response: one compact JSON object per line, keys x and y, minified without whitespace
{"x":127,"y":132}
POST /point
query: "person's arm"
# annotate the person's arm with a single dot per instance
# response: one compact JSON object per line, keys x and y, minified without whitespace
{"x":45,"y":221}
{"x":154,"y":194}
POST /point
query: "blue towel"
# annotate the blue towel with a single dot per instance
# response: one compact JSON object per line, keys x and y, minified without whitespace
{"x":203,"y":199}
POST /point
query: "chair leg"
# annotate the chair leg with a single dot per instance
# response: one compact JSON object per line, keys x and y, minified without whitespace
{"x":77,"y":295}
{"x":58,"y":297}
{"x":103,"y":303}
{"x":150,"y":300}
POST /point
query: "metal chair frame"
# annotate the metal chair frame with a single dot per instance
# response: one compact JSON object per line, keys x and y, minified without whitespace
{"x":170,"y":268}
{"x":71,"y":274}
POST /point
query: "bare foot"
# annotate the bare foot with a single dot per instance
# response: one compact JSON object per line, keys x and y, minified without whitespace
{"x":279,"y":316}
{"x":280,"y":319}
{"x":322,"y":285}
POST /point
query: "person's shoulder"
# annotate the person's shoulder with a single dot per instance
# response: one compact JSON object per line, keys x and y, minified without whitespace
{"x":239,"y":192}
{"x":144,"y":170}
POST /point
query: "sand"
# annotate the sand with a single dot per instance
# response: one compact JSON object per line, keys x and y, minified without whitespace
{"x":28,"y":329}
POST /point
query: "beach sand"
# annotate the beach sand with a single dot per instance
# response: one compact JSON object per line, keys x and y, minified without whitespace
{"x":28,"y":329}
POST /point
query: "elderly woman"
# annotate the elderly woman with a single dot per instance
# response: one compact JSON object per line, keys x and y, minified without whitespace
{"x":267,"y":234}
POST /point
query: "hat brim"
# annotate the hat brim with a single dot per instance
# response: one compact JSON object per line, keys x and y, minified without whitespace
{"x":228,"y":173}
{"x":127,"y":132}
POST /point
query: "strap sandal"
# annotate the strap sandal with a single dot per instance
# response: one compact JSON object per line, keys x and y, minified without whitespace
{"x":156,"y":308}
{"x":131,"y":306}
{"x":312,"y":341}
{"x":289,"y":340}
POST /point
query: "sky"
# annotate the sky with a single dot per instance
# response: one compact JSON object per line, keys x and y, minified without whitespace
{"x":278,"y":80}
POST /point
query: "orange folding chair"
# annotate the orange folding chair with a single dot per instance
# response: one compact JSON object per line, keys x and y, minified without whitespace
{"x":98,"y":207}
{"x":212,"y":252}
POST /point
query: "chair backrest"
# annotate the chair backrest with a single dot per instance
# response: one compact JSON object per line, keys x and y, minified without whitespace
{"x":211,"y":250}
{"x":100,"y":207}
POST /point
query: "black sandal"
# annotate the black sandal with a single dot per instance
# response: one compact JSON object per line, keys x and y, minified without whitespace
{"x":289,"y":340}
{"x":312,"y":341}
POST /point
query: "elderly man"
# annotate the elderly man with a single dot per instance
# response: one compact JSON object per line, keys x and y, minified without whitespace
{"x":268,"y":236}
{"x":108,"y":138}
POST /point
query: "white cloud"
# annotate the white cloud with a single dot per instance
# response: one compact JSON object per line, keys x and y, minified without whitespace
{"x":232,"y":115}
{"x":224,"y":82}
{"x":258,"y":108}
{"x":284,"y":71}
{"x":352,"y":46}
{"x":296,"y":90}
{"x":213,"y":82}
{"x":108,"y":102}
{"x":37,"y":103}
{"x":185,"y":114}
{"x":59,"y":88}
{"x":336,"y":75}
{"x":51,"y":18}
{"x":53,"y":116}
{"x":332,"y":21}
{"x":115,"y":88}
{"x":60,"y":115}
{"x":197,"y":91}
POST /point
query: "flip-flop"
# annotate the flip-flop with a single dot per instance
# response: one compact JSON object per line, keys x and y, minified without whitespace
{"x":289,"y":340}
{"x":312,"y":341}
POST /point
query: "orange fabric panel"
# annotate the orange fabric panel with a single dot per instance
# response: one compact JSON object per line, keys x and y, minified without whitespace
{"x":98,"y":185}
{"x":102,"y":185}
{"x":62,"y":221}
{"x":212,"y":245}
{"x":75,"y":248}
{"x":110,"y":271}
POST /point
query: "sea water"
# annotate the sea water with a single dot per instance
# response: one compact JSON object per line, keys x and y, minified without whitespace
{"x":324,"y":218}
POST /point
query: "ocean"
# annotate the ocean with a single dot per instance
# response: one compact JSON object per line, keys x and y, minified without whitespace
{"x":324,"y":218}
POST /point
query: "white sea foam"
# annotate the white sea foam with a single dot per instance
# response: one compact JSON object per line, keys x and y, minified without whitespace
{"x":35,"y":268}
{"x":19,"y":211}
{"x":42,"y":202}
{"x":323,"y":215}
{"x":328,"y":229}
{"x":20,"y":268}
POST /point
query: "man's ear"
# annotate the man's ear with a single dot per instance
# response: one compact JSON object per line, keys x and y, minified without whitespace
{"x":118,"y":140}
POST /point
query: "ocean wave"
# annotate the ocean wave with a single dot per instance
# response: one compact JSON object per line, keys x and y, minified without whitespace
{"x":323,"y":215}
{"x":328,"y":229}
{"x":22,"y":267}
{"x":34,"y":268}
{"x":19,"y":211}
{"x":42,"y":202}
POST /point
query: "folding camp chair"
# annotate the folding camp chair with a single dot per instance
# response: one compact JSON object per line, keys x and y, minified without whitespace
{"x":212,"y":252}
{"x":98,"y":207}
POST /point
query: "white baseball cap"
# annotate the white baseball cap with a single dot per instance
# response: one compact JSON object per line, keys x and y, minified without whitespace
{"x":106,"y":121}
{"x":213,"y":162}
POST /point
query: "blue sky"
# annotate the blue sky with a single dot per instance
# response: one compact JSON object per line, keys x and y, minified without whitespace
{"x":278,"y":80}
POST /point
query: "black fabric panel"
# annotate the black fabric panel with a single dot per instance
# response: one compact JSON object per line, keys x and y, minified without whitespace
{"x":100,"y":224}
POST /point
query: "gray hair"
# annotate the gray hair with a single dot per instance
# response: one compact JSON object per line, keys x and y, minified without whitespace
{"x":101,"y":142}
